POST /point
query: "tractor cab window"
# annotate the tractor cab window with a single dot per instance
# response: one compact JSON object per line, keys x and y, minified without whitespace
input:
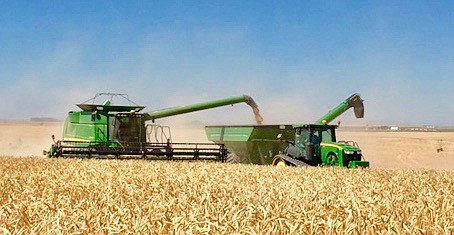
{"x":318,"y":135}
{"x":327,"y":135}
{"x":315,"y":135}
{"x":298,"y":131}
{"x":316,"y":138}
{"x":301,"y":137}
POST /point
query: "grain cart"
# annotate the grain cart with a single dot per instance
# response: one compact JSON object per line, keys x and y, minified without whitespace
{"x":297,"y":145}
{"x":120,"y":131}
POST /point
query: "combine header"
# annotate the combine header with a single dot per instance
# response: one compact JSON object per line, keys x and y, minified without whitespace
{"x":120,"y":131}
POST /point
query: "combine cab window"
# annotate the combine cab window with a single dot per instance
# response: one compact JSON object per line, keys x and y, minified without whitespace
{"x":127,"y":128}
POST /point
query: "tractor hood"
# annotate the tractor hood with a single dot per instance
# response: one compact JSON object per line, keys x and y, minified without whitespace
{"x":341,"y":146}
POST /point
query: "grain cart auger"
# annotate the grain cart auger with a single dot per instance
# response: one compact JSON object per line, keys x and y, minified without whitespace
{"x":119,"y":131}
{"x":297,"y":145}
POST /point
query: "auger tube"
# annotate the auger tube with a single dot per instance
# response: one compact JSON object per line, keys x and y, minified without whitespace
{"x":354,"y":101}
{"x":153,"y":115}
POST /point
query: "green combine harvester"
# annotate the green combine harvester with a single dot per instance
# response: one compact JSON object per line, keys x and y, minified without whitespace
{"x":120,"y":131}
{"x":292,"y":145}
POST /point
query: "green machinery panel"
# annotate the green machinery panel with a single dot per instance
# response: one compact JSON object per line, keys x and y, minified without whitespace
{"x":252,"y":144}
{"x":84,"y":126}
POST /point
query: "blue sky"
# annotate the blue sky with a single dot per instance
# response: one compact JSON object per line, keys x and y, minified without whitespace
{"x":297,"y":59}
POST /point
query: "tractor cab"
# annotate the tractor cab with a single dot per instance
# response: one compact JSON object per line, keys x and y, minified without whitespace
{"x":315,"y":144}
{"x":308,"y":140}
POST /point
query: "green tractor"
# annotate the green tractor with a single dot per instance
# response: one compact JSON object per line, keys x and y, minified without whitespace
{"x":315,"y":144}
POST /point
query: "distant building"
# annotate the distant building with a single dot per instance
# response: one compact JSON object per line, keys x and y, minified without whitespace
{"x":419,"y":128}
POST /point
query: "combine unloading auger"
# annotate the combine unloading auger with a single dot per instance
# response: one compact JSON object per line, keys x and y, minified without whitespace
{"x":206,"y":105}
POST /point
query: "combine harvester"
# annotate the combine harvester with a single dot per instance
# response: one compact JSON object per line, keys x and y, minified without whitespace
{"x":120,"y":132}
{"x":292,"y":145}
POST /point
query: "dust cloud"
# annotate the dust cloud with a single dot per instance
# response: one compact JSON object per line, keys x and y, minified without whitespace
{"x":24,"y":138}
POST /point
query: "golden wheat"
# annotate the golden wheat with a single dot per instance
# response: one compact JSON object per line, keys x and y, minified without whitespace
{"x":60,"y":196}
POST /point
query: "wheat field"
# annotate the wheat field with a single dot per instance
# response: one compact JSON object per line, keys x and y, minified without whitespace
{"x":73,"y":196}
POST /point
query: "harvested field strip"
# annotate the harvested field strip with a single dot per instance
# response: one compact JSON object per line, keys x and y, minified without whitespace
{"x":107,"y":196}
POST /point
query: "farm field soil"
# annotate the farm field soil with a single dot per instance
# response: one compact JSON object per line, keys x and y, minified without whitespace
{"x":382,"y":149}
{"x":23,"y":138}
{"x":405,"y":149}
{"x":66,"y":196}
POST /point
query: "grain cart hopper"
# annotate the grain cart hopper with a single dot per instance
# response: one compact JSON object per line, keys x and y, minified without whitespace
{"x":119,"y":131}
{"x":298,"y":145}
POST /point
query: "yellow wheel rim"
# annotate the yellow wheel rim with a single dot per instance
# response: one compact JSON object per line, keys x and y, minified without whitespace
{"x":281,"y":163}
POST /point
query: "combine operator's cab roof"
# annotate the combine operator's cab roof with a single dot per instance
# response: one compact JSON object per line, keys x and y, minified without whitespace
{"x":90,"y":105}
{"x":108,"y":108}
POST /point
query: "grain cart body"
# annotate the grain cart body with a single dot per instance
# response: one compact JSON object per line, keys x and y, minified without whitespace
{"x":252,"y":144}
